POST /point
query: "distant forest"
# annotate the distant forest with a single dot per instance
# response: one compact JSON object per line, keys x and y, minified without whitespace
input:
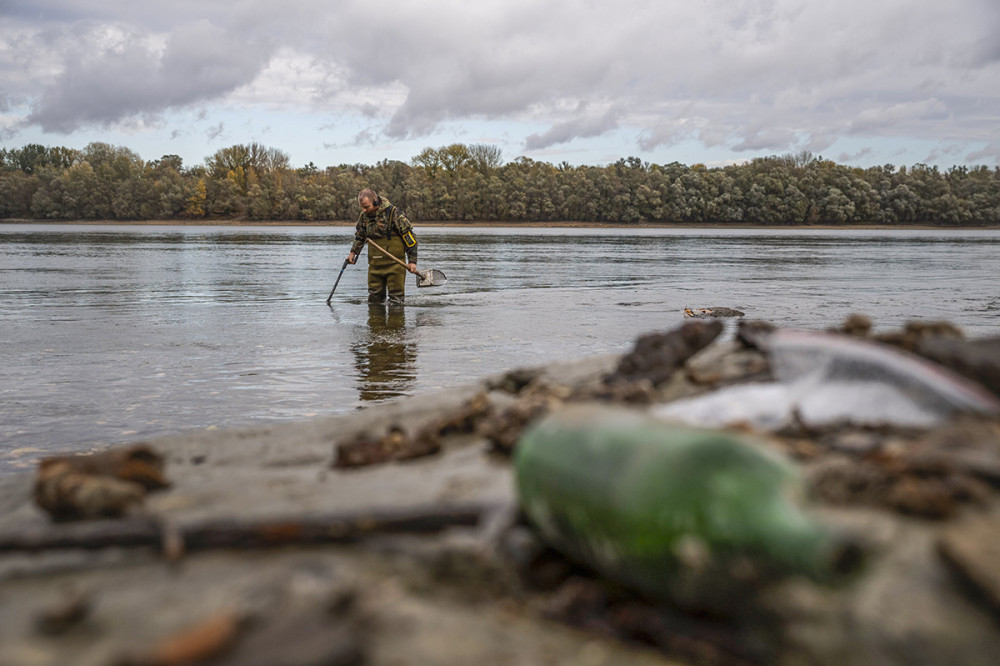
{"x":472,"y":183}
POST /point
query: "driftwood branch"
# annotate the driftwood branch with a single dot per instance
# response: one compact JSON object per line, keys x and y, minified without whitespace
{"x":342,"y":527}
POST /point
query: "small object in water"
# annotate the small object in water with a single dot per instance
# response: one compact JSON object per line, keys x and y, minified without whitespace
{"x":707,"y":313}
{"x":683,"y":513}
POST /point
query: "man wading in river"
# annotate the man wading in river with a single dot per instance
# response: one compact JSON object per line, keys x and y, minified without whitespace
{"x":387,"y":226}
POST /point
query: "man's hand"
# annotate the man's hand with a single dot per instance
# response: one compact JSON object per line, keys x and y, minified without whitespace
{"x":351,"y":259}
{"x":412,"y":267}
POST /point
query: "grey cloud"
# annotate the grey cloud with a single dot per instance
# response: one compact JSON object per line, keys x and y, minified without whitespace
{"x":601,"y":54}
{"x":992,"y":151}
{"x":431,"y":101}
{"x":942,"y":152}
{"x":500,"y":61}
{"x":661,"y":135}
{"x":983,"y":49}
{"x":579,"y":128}
{"x":864,"y":152}
{"x":202,"y":61}
{"x":818,"y":142}
{"x":714,"y":136}
{"x":102,"y":83}
{"x":895,"y":114}
{"x":772,"y":139}
{"x":108,"y":87}
{"x":364,"y":138}
{"x":152,"y":15}
{"x":215,"y":131}
{"x":685,"y":123}
{"x":472,"y":85}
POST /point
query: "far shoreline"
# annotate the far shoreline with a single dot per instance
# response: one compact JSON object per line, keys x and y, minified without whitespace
{"x":526,"y":225}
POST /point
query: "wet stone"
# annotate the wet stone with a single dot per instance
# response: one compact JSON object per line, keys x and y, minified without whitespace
{"x":657,"y":355}
{"x":978,"y":359}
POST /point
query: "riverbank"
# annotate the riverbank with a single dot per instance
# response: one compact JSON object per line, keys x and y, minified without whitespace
{"x":525,"y":225}
{"x":390,"y":535}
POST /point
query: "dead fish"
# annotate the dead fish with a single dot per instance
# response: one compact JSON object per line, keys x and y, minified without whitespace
{"x":706,"y":313}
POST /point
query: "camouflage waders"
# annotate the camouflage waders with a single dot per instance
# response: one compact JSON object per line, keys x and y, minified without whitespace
{"x":390,"y":228}
{"x":384,"y":274}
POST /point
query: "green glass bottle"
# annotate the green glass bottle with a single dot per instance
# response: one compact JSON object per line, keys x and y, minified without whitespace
{"x":672,"y":511}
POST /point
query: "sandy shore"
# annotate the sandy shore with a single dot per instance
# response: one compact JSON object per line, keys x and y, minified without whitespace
{"x":265,"y":548}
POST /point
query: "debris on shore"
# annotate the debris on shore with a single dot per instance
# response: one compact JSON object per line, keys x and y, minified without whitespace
{"x":106,"y":484}
{"x":420,"y":532}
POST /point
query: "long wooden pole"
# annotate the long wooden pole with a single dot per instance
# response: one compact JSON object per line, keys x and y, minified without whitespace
{"x":393,"y":257}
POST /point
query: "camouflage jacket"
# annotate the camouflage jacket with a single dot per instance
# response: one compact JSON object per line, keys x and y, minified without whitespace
{"x":386,"y":222}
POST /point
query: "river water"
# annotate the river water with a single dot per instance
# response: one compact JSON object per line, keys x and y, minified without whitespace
{"x":119,"y":333}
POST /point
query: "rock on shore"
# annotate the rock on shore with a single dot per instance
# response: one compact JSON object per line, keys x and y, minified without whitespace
{"x":391,"y":535}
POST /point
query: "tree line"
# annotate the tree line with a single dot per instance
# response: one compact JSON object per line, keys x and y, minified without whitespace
{"x":472,"y":183}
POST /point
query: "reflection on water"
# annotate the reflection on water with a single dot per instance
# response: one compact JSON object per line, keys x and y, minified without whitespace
{"x":386,"y":357}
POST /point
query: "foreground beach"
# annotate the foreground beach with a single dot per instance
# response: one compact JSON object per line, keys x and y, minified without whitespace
{"x":392,"y":534}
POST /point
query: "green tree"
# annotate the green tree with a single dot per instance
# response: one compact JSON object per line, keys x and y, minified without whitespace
{"x":485,"y":158}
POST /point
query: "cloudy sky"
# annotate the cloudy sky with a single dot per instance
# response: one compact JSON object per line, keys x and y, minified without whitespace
{"x":862,"y":82}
